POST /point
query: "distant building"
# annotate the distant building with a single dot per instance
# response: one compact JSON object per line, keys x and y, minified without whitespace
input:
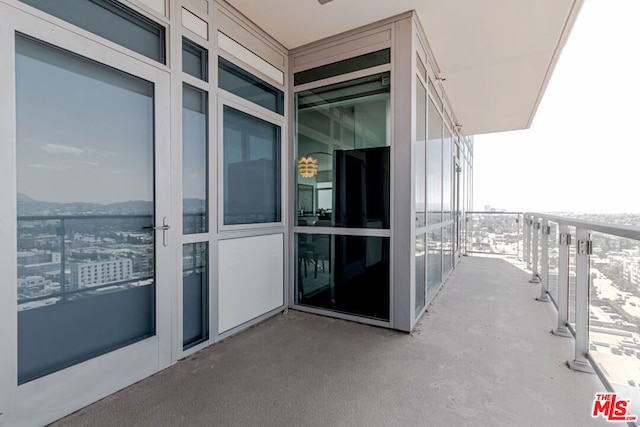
{"x":31,"y":285}
{"x":38,"y":263}
{"x":631,"y":270}
{"x":87,"y":274}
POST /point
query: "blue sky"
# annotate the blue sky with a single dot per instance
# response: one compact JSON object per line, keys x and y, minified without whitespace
{"x":582,"y":152}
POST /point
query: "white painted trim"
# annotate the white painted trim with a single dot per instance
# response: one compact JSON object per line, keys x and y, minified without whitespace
{"x":194,"y":23}
{"x":158,"y":6}
{"x":229,"y":45}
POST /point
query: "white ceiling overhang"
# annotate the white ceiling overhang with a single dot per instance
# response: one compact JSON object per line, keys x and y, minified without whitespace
{"x":497,"y":56}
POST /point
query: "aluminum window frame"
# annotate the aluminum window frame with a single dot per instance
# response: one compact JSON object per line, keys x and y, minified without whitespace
{"x":227,"y":99}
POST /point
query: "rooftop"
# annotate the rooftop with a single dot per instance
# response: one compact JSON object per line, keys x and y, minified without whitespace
{"x":483,"y":354}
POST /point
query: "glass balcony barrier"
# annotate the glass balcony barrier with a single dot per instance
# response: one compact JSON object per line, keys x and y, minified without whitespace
{"x":591,"y":272}
{"x":496,"y":233}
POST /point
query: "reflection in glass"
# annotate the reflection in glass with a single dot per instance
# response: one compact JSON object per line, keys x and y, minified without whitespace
{"x":447,"y":253}
{"x":447,"y":175}
{"x":251,"y":169}
{"x":112,"y":20}
{"x":244,"y":84}
{"x":420,"y":154}
{"x":434,"y":262}
{"x":348,"y":274}
{"x":345,"y":66}
{"x":434,"y":166}
{"x":343,"y":139}
{"x":195,"y":60}
{"x":195,"y":294}
{"x":194,"y":160}
{"x":85,"y":208}
{"x":421,"y":255}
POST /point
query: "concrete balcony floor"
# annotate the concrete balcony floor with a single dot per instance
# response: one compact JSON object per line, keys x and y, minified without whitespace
{"x":483,"y":355}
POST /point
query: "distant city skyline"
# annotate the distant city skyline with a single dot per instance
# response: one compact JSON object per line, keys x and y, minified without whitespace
{"x":580,"y":154}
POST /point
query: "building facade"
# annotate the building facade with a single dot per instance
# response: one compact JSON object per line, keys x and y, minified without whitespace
{"x":187,"y":173}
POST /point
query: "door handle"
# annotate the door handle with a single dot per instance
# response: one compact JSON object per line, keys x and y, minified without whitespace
{"x":164,"y":227}
{"x":160,"y":227}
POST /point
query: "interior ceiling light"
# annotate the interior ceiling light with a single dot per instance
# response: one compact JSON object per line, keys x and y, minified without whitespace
{"x":307,"y":166}
{"x":324,"y":1}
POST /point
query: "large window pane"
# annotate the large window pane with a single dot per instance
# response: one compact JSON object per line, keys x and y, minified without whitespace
{"x":195,"y":294}
{"x":343,"y":139}
{"x":434,"y":166}
{"x":447,"y":253}
{"x":112,"y":20}
{"x":85,"y":186}
{"x":348,"y":274}
{"x":194,"y":160}
{"x":251,"y":169}
{"x":244,"y":84}
{"x":420,"y":155}
{"x":447,"y":175}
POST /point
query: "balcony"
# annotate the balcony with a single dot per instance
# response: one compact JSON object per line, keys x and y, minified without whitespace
{"x":483,"y":354}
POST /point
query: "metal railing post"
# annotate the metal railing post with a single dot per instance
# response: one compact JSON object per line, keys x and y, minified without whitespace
{"x":466,"y":233}
{"x":563,"y":282}
{"x":583,"y":251}
{"x":519,"y":222}
{"x":545,"y":231}
{"x":62,"y":231}
{"x":535,"y":277}
{"x":526,"y":239}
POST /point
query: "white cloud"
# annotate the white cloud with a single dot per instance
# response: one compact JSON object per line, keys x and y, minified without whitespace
{"x":61,"y":149}
{"x":52,"y":166}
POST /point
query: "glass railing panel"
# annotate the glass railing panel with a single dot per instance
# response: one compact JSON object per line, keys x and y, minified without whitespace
{"x":614,"y":313}
{"x":572,"y":279}
{"x":493,"y":233}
